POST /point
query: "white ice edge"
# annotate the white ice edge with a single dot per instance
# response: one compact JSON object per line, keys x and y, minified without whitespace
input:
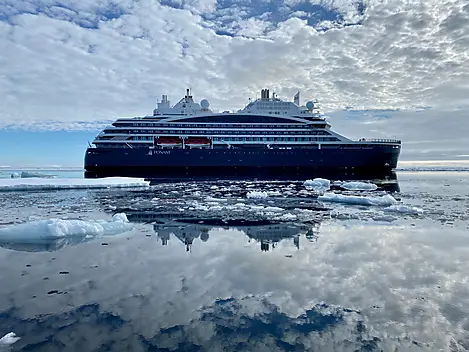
{"x":257,"y":195}
{"x":33,"y":184}
{"x":358,"y":186}
{"x":386,"y":200}
{"x":9,"y":339}
{"x":389,"y":202}
{"x":318,"y":184}
{"x":52,"y":229}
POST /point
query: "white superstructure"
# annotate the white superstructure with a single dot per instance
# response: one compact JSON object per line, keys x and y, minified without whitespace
{"x":267,"y":121}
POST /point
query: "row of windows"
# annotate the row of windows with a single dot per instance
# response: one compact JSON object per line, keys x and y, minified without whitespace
{"x":189,"y":125}
{"x":320,"y":133}
{"x":269,"y":139}
{"x":272,"y":139}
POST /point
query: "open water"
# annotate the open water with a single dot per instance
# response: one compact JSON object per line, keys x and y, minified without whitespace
{"x":203,"y":267}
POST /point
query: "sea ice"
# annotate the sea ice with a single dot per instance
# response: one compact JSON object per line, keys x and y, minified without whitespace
{"x":27,"y":174}
{"x":56,"y":228}
{"x":274,"y":193}
{"x":405,"y":209}
{"x":257,"y":195}
{"x":9,"y":339}
{"x":385,"y":200}
{"x":318,"y":184}
{"x":273,"y":209}
{"x":34,"y":184}
{"x":358,"y":186}
{"x":287,"y":217}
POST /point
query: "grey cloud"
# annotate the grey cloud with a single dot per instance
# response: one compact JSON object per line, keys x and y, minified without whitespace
{"x":53,"y":68}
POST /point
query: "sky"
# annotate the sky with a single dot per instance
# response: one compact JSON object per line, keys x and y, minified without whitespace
{"x":379,"y":68}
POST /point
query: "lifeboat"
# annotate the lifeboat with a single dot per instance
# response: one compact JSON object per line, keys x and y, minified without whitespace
{"x":169,"y":141}
{"x":197,"y":142}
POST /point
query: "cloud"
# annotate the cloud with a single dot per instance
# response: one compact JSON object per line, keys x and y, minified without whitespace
{"x":69,"y":60}
{"x":426,"y":133}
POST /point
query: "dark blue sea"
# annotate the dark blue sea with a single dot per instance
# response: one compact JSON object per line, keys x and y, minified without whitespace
{"x":238,"y":266}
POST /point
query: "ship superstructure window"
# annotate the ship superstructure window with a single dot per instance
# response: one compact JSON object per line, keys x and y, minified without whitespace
{"x":235,"y":118}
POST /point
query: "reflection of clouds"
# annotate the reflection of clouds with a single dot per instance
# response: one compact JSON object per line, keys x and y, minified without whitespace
{"x":249,"y":323}
{"x":389,"y":273}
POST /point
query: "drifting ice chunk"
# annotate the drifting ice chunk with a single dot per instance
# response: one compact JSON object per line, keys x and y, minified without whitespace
{"x":386,"y":218}
{"x":287,"y":217}
{"x":56,"y":228}
{"x":9,"y":339}
{"x":358,"y":186}
{"x":274,"y":193}
{"x":386,"y":200}
{"x":273,"y":209}
{"x":256,"y":195}
{"x":15,"y":175}
{"x":34,"y":184}
{"x":26,"y":174}
{"x":405,"y":209}
{"x":318,"y":184}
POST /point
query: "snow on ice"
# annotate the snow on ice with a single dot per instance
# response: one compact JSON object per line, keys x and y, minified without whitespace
{"x":28,"y":174}
{"x":404,"y":209}
{"x":257,"y":195}
{"x":34,"y":184}
{"x":56,"y":228}
{"x":9,"y":339}
{"x":358,"y":186}
{"x":318,"y":184}
{"x":386,"y":200}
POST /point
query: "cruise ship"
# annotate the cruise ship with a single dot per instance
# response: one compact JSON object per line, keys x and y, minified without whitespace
{"x":269,"y":136}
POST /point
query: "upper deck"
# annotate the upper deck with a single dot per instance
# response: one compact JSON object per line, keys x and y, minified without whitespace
{"x":266,"y":121}
{"x":265,"y":106}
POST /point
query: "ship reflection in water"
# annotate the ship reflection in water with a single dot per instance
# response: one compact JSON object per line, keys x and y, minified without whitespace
{"x":267,"y":235}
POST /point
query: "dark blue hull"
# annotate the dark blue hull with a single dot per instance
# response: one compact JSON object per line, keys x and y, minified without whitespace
{"x":145,"y":162}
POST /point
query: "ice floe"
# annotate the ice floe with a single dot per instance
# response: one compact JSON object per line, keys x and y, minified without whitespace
{"x":386,"y":200}
{"x":51,"y":229}
{"x":358,"y":186}
{"x":287,"y":217}
{"x":404,"y":209}
{"x":257,"y":195}
{"x":318,"y":184}
{"x":28,"y":174}
{"x":34,"y":184}
{"x":9,"y":339}
{"x":384,"y":218}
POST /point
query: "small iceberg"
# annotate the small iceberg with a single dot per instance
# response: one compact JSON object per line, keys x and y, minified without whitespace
{"x":27,"y":174}
{"x":358,"y":186}
{"x":9,"y":339}
{"x":386,"y":200}
{"x":53,"y":234}
{"x":257,"y":195}
{"x":403,"y":209}
{"x":36,"y":184}
{"x":318,"y":184}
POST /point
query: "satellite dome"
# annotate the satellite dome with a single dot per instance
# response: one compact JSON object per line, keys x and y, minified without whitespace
{"x":204,"y":104}
{"x":310,"y":105}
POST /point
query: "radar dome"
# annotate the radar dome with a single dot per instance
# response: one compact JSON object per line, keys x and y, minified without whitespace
{"x":204,"y":104}
{"x":309,"y":105}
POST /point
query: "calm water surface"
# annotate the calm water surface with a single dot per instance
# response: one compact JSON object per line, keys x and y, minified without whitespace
{"x":207,"y":269}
